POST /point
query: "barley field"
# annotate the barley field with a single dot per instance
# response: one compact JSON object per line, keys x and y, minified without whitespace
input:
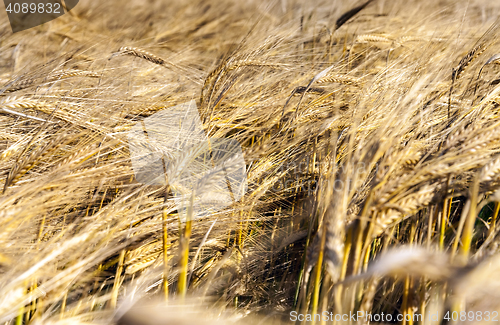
{"x":363,"y":138}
